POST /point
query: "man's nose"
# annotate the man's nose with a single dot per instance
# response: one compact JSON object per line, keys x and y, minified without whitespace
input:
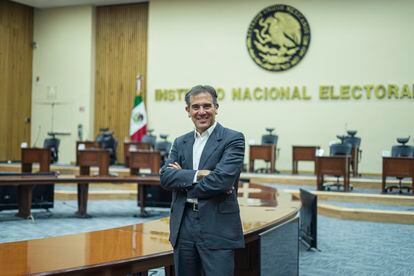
{"x":201,"y":110}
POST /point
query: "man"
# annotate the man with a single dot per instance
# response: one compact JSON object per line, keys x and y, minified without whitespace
{"x":202,"y":172}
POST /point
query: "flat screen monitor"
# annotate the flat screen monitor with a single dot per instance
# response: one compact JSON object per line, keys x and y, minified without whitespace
{"x":308,"y":218}
{"x":279,"y":250}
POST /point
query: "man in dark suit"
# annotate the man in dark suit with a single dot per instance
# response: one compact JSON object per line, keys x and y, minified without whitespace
{"x":202,"y":172}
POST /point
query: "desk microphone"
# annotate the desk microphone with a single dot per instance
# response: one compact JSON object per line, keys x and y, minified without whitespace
{"x":80,"y":132}
{"x":37,"y":136}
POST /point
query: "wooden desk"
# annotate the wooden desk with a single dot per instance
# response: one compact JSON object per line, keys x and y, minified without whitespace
{"x":264,"y":152}
{"x":303,"y":153}
{"x":128,"y":146}
{"x":88,"y":145}
{"x":136,"y":248}
{"x":87,"y":158}
{"x":332,"y":165}
{"x":397,"y":167}
{"x":144,"y":159}
{"x":23,"y":181}
{"x":25,"y":193}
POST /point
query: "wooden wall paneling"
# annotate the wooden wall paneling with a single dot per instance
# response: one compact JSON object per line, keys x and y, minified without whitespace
{"x":16,"y":55}
{"x":121,"y":54}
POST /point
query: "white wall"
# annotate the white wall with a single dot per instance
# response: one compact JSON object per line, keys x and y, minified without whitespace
{"x":352,"y":42}
{"x":63,"y":72}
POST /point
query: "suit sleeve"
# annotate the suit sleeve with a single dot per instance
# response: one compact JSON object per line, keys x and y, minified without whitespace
{"x":172,"y":179}
{"x":223,"y":177}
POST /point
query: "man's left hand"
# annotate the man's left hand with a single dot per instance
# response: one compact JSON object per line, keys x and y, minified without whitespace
{"x":175,"y":165}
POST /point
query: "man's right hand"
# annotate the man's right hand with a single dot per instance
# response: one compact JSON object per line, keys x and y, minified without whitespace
{"x":202,"y":173}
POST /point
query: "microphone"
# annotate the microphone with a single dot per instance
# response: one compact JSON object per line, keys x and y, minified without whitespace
{"x":80,"y":132}
{"x":37,"y":136}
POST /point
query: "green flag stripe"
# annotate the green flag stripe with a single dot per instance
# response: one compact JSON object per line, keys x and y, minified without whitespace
{"x":138,"y":100}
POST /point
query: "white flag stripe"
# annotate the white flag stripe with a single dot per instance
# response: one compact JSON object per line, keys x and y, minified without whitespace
{"x":138,"y":111}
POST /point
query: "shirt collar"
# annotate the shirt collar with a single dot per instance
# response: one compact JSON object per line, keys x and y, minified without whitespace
{"x":205,"y":133}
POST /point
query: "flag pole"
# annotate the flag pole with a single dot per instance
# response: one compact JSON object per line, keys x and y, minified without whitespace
{"x":138,"y":84}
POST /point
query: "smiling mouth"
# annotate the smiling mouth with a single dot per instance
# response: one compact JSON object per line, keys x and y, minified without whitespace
{"x":202,"y":120}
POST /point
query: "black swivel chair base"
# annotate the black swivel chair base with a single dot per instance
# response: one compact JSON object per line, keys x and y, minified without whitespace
{"x":328,"y":185}
{"x":398,"y":187}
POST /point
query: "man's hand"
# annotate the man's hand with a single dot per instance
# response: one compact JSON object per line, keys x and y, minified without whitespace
{"x":175,"y":165}
{"x":202,"y":173}
{"x":229,"y":192}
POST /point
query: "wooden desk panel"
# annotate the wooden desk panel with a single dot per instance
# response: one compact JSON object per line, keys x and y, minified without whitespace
{"x":35,"y":155}
{"x":25,"y":193}
{"x":130,"y":249}
{"x":397,"y":167}
{"x":94,"y":157}
{"x":263,"y":152}
{"x":86,"y":159}
{"x":88,"y":145}
{"x":303,"y":153}
{"x":332,"y":165}
{"x":130,"y":146}
{"x":144,"y":159}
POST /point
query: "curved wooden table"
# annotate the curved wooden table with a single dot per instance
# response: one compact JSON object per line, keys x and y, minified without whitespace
{"x":138,"y":248}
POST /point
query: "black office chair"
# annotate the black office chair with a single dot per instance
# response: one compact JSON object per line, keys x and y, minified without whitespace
{"x":52,"y":143}
{"x":269,"y":139}
{"x":339,"y":149}
{"x":149,"y":138}
{"x":164,"y":148}
{"x":107,"y":141}
{"x":352,"y":139}
{"x":401,"y":150}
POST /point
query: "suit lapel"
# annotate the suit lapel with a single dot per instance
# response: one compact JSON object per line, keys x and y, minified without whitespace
{"x":211,"y":145}
{"x":188,"y":150}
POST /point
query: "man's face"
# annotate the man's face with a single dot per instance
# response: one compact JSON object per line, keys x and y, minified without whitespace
{"x":202,"y":111}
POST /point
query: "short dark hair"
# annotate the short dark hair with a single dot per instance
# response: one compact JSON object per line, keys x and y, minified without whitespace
{"x":198,"y":89}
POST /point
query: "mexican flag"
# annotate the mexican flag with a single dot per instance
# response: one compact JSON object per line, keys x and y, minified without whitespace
{"x":138,"y":123}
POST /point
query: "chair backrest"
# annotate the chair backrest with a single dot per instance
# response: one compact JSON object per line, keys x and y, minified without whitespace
{"x":269,"y":139}
{"x":402,"y":151}
{"x":53,"y":145}
{"x":148,"y":138}
{"x":164,"y":147}
{"x":107,"y":141}
{"x":340,"y":149}
{"x":50,"y":143}
{"x":353,"y":140}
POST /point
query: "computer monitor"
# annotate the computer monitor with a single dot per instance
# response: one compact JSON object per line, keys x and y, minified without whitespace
{"x":308,"y":218}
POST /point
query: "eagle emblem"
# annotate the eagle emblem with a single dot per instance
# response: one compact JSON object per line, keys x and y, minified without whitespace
{"x":278,"y":38}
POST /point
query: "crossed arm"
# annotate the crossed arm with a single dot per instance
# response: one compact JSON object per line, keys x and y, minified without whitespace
{"x":209,"y":182}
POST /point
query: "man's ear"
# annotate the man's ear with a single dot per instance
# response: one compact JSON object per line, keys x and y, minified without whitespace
{"x":187,"y":109}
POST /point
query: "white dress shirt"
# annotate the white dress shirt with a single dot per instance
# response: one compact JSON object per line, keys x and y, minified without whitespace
{"x":200,"y":141}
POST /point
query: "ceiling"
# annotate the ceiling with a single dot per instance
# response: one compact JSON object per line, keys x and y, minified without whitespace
{"x":62,"y":3}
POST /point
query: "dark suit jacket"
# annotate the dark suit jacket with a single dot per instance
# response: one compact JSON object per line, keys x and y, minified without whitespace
{"x":219,"y":212}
